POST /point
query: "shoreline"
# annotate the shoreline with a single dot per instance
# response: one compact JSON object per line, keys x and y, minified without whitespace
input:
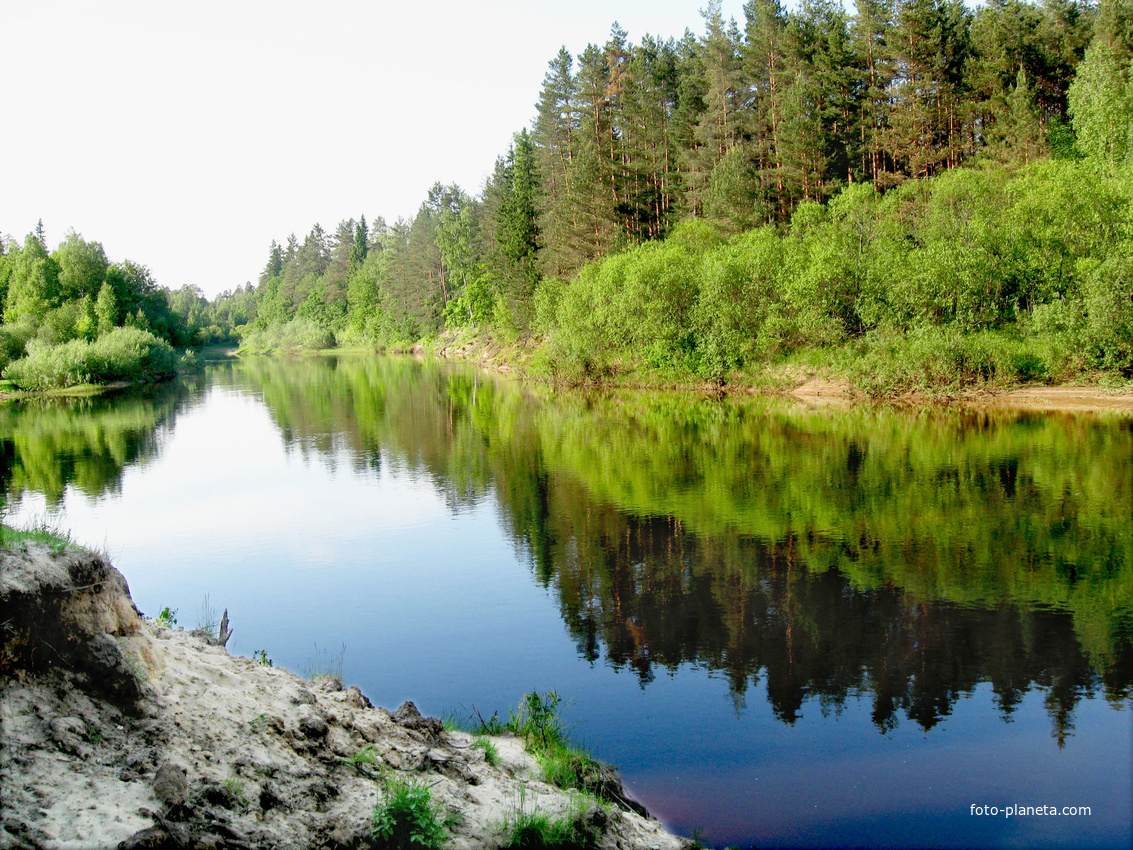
{"x":815,"y":390}
{"x":810,"y":388}
{"x":121,"y":732}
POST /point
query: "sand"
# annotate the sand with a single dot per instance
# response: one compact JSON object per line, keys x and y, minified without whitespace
{"x":118,"y":732}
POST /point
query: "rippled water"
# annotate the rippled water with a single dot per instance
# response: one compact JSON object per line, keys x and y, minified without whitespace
{"x":787,"y":627}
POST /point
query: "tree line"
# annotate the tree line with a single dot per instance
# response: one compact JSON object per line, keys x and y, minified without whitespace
{"x":740,"y":156}
{"x":73,"y":316}
{"x":915,"y":171}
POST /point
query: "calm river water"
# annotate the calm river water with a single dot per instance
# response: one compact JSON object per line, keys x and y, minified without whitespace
{"x":788,"y":628}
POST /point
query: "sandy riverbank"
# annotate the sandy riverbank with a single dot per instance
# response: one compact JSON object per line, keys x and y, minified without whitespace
{"x":121,"y":733}
{"x":816,"y":390}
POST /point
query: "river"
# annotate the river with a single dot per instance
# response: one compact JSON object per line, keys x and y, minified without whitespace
{"x":787,"y":627}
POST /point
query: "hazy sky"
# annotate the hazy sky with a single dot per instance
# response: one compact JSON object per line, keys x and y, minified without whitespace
{"x":187,"y":136}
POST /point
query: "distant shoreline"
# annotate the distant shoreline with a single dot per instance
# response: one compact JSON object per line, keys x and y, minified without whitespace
{"x":817,"y":390}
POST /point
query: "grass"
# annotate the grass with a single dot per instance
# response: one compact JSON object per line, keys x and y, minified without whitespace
{"x":565,"y":764}
{"x":236,"y":785}
{"x":537,"y":829}
{"x":207,"y":617}
{"x":39,"y":531}
{"x":367,"y":763}
{"x":408,"y":818}
{"x":325,"y":666}
{"x":491,"y":754}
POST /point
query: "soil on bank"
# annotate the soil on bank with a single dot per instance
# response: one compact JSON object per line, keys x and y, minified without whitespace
{"x":121,"y":733}
{"x":814,"y":389}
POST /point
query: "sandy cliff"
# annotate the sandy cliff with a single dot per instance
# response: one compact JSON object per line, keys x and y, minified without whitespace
{"x":120,"y":733}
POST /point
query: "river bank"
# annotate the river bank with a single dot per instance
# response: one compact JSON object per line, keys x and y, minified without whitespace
{"x":809,"y":386}
{"x":122,"y":732}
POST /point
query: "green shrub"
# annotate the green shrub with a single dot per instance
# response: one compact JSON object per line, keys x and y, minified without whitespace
{"x":943,"y":359}
{"x":1108,"y":298}
{"x":13,"y":339}
{"x":122,"y":354}
{"x":537,"y":719}
{"x":298,"y":334}
{"x":408,"y":818}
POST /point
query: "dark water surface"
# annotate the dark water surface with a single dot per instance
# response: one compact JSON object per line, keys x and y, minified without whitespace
{"x":788,"y":628}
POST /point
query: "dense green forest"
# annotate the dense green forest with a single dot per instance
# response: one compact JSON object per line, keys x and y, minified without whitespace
{"x":917,"y":194}
{"x":71,"y":316}
{"x":920,"y":193}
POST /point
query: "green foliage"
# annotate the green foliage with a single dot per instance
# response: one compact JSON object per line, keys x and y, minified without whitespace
{"x":407,"y":818}
{"x":491,"y":752}
{"x":1107,"y":296}
{"x":1101,"y":101}
{"x":106,"y":308}
{"x":13,"y":340}
{"x":537,"y":719}
{"x":944,"y":359}
{"x":299,"y":333}
{"x":260,"y":656}
{"x":166,"y":617}
{"x":1006,"y":270}
{"x":124,"y":354}
{"x":565,"y":765}
{"x":534,"y":828}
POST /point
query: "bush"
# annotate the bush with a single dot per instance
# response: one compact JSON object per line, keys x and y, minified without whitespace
{"x":299,"y":334}
{"x":122,"y":354}
{"x":408,"y":819}
{"x":931,"y":359}
{"x":13,"y":339}
{"x":1108,"y":297}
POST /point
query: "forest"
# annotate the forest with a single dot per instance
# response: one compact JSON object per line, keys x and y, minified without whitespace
{"x":914,"y":195}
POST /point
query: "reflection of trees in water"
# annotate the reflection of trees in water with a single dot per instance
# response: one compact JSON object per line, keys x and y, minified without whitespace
{"x":370,"y":411}
{"x":49,"y":444}
{"x":907,"y":557}
{"x":655,"y":596}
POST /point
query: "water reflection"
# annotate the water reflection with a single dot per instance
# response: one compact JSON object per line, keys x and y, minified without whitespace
{"x":823,"y":556}
{"x":655,"y":596}
{"x":49,"y":444}
{"x":905,"y":556}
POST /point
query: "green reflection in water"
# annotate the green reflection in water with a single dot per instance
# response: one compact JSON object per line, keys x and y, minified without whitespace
{"x":905,"y":556}
{"x":49,"y":444}
{"x":908,"y":555}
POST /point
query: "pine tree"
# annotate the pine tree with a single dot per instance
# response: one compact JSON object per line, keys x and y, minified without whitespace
{"x":765,"y":72}
{"x":555,"y":137}
{"x":872,"y":31}
{"x":720,"y":126}
{"x":33,"y":282}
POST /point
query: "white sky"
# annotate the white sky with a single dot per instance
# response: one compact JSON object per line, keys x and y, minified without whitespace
{"x":187,"y":136}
